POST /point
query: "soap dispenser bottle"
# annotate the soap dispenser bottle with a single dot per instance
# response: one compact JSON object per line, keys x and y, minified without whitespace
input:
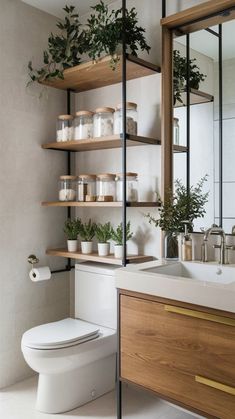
{"x":187,"y":248}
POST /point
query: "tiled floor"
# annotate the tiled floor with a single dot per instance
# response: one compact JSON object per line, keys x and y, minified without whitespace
{"x":17,"y":402}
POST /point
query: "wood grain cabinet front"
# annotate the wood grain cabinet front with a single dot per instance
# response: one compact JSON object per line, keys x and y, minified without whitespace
{"x":184,"y":355}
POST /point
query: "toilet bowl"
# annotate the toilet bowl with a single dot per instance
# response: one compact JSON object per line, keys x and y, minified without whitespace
{"x":76,"y":358}
{"x":72,"y":372}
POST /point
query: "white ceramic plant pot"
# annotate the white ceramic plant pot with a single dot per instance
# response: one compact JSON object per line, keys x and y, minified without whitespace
{"x":118,"y":251}
{"x":103,"y":249}
{"x":86,"y":247}
{"x":72,"y":245}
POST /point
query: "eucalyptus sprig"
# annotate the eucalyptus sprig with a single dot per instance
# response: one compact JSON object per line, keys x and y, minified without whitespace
{"x":181,"y":205}
{"x":104,"y":32}
{"x":64,"y":50}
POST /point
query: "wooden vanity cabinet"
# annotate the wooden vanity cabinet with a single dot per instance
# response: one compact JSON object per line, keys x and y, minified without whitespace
{"x":183,"y":353}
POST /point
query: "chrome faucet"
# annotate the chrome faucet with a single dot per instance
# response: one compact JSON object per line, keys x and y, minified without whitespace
{"x":223,"y":248}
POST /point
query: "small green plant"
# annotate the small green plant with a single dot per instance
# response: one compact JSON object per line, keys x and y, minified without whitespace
{"x":72,"y":228}
{"x":104,"y":32}
{"x":180,"y":206}
{"x":63,"y":51}
{"x":180,"y":75}
{"x":117,"y":235}
{"x":103,"y":232}
{"x":87,"y":231}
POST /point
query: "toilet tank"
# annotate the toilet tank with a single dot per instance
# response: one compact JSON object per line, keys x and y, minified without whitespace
{"x":95,"y":294}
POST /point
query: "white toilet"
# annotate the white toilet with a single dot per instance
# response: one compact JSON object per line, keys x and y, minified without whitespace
{"x":76,"y":358}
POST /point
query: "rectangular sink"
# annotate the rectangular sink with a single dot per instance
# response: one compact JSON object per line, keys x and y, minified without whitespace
{"x":204,"y":272}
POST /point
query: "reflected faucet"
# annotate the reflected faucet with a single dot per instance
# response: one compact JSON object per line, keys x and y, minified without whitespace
{"x":223,"y":248}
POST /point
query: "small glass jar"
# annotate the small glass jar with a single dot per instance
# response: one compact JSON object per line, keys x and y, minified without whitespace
{"x":67,"y":188}
{"x":106,"y":187}
{"x":132,"y":193}
{"x":103,"y":122}
{"x":86,"y":188}
{"x":64,"y":128}
{"x":131,"y":119}
{"x":83,"y":125}
{"x":176,"y":132}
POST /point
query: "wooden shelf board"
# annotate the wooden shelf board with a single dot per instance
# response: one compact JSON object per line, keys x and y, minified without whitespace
{"x":180,"y":149}
{"x":93,"y":257}
{"x":102,"y":143}
{"x":92,"y":75}
{"x":197,"y":97}
{"x":100,"y":204}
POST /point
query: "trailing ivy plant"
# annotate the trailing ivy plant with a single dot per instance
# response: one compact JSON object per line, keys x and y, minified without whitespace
{"x":64,"y":50}
{"x":181,"y":205}
{"x":104,"y":32}
{"x":180,"y":75}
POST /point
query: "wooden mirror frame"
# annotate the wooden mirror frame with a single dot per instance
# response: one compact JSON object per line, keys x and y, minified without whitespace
{"x":207,"y":14}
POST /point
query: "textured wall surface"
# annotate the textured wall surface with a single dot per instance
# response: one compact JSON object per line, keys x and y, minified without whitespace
{"x":28,"y":175}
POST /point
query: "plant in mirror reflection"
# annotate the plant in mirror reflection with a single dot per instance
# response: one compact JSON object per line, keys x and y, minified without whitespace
{"x":180,"y":205}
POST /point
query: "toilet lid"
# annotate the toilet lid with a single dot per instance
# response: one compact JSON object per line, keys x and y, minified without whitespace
{"x":60,"y":334}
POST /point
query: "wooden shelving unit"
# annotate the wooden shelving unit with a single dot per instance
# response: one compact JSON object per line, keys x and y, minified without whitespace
{"x":93,"y":257}
{"x":100,"y":204}
{"x":102,"y":143}
{"x":92,"y":75}
{"x":197,"y":97}
{"x":180,"y":149}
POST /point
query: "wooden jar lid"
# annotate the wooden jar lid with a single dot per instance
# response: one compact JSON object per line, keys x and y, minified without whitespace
{"x":128,"y":174}
{"x":67,"y":177}
{"x":87,"y":177}
{"x":104,"y":110}
{"x":65,"y":117}
{"x":84,"y":113}
{"x":129,"y":105}
{"x":106,"y":176}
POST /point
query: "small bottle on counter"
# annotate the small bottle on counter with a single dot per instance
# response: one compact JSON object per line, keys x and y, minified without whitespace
{"x":67,"y":188}
{"x":187,"y":247}
{"x":64,"y":128}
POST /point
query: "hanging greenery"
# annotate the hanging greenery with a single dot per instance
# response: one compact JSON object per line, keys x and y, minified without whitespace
{"x":102,"y":34}
{"x":64,"y":50}
{"x":180,"y":75}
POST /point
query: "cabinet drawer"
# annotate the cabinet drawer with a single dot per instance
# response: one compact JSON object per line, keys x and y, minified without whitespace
{"x":179,"y":355}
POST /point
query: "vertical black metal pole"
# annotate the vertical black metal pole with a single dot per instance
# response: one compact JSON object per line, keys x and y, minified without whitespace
{"x":163,"y":8}
{"x":220,"y":127}
{"x":188,"y":111}
{"x":124,"y":134}
{"x":68,"y":166}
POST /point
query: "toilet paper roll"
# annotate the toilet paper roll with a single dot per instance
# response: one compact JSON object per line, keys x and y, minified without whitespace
{"x":40,"y":274}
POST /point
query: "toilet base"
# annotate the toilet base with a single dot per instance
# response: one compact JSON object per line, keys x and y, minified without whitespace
{"x":58,"y":393}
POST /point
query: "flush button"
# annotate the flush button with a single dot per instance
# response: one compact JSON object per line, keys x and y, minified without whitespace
{"x":93,"y":394}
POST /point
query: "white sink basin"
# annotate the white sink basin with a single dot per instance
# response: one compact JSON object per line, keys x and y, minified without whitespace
{"x":205,"y":272}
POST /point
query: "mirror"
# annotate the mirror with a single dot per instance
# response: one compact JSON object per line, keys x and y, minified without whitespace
{"x":204,"y":132}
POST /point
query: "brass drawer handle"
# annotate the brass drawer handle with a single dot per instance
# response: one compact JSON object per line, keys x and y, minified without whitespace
{"x":215,"y":384}
{"x":200,"y":315}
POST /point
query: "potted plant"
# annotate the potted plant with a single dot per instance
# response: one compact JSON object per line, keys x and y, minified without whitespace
{"x":117,"y":237}
{"x":180,"y":75}
{"x":180,"y":207}
{"x":103,"y":235}
{"x":71,"y":229}
{"x":87,"y":232}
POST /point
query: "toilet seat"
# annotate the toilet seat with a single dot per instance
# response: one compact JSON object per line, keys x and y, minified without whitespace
{"x":60,"y":334}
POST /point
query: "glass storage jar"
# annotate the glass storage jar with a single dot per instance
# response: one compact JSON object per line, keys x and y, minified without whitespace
{"x":86,"y":188}
{"x":64,"y":128}
{"x":106,"y":187}
{"x":103,"y":122}
{"x":131,"y":119}
{"x":132,"y":193}
{"x":67,"y":188}
{"x":83,"y":125}
{"x":176,"y":134}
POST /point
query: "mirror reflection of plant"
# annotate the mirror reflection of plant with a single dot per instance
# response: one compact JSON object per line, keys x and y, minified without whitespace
{"x":181,"y":205}
{"x":87,"y":230}
{"x":104,"y":32}
{"x":103,"y":232}
{"x":180,"y":75}
{"x":72,"y":228}
{"x":64,"y":50}
{"x":117,"y":235}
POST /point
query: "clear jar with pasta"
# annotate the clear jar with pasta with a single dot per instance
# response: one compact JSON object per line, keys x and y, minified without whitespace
{"x":106,"y":187}
{"x":86,"y":188}
{"x":83,"y":125}
{"x":131,"y":119}
{"x":132,"y":190}
{"x":67,"y":188}
{"x":103,"y":122}
{"x":64,"y":128}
